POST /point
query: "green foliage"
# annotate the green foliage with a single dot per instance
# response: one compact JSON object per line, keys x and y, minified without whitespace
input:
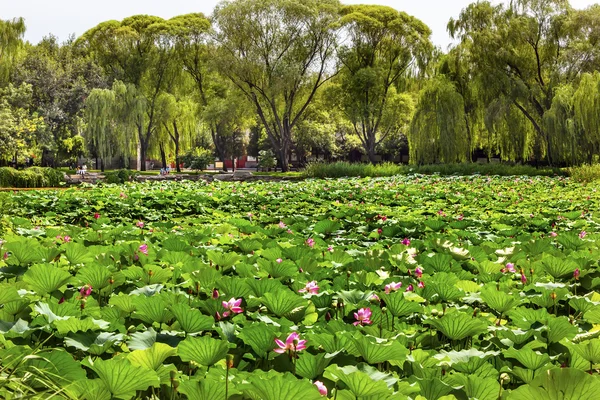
{"x":198,"y":159}
{"x":34,"y":177}
{"x":120,"y":176}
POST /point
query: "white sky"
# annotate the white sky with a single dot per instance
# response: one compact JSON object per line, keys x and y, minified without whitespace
{"x":64,"y":17}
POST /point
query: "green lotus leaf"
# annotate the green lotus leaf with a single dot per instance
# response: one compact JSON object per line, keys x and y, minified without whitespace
{"x":589,"y":350}
{"x":527,"y":357}
{"x":95,"y":275}
{"x":498,"y":300}
{"x":399,"y":306}
{"x":89,"y":389}
{"x":523,"y":318}
{"x":261,"y":286}
{"x":74,"y":324}
{"x":23,"y":252}
{"x":191,"y":320}
{"x":559,"y":384}
{"x":92,"y":343}
{"x":283,"y":302}
{"x":310,"y":366}
{"x":434,"y":388}
{"x":360,"y":383}
{"x":77,"y":253}
{"x":123,"y":302}
{"x":469,"y":360}
{"x":205,"y":389}
{"x":222,"y":259}
{"x":279,"y":387}
{"x":46,"y":278}
{"x":439,"y":262}
{"x":560,"y":328}
{"x":153,"y":357}
{"x":152,"y":309}
{"x":122,"y":379}
{"x":58,"y":365}
{"x":260,"y":337}
{"x":558,"y":267}
{"x":326,"y":226}
{"x":233,"y":287}
{"x":376,"y":351}
{"x":441,"y":292}
{"x":175,"y":245}
{"x":8,"y":293}
{"x":481,"y":388}
{"x":203,"y":350}
{"x":583,"y":305}
{"x":354,"y":297}
{"x":206,"y":277}
{"x":458,"y":325}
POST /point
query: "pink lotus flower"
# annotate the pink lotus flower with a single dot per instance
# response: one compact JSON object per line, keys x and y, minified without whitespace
{"x":363,"y":317}
{"x":292,"y":343}
{"x":96,"y":215}
{"x":410,"y":288}
{"x":282,"y":225}
{"x":215,"y":294}
{"x":310,"y":242}
{"x":523,"y":279}
{"x":418,"y":272}
{"x":510,"y":267}
{"x":582,"y":234}
{"x":232,"y":306}
{"x":144,"y":248}
{"x":289,"y":231}
{"x":311,"y":287}
{"x":139,"y":224}
{"x":460,"y":217}
{"x":66,"y":238}
{"x":406,"y":241}
{"x":392,"y":287}
{"x":322,"y":388}
{"x":279,"y":261}
{"x":122,"y":195}
{"x":576,"y":274}
{"x":374,"y":297}
{"x":85,"y":291}
{"x":421,"y":285}
{"x":553,"y":234}
{"x":379,"y":231}
{"x":330,"y":249}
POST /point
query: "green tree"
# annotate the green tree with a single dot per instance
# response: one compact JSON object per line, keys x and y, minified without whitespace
{"x":11,"y":35}
{"x":278,"y":53}
{"x":139,"y":51}
{"x":384,"y":46}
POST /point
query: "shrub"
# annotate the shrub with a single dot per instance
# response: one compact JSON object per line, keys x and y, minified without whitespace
{"x":198,"y":159}
{"x":120,"y":176}
{"x":33,"y":177}
{"x":345,"y":169}
{"x":266,"y":159}
{"x":585,"y":173}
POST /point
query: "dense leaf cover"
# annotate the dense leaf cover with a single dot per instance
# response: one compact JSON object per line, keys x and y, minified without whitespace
{"x":407,"y":287}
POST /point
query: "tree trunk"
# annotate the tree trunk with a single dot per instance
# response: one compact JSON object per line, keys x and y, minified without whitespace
{"x":218,"y":146}
{"x":176,"y":137}
{"x":163,"y":156}
{"x":101,"y":165}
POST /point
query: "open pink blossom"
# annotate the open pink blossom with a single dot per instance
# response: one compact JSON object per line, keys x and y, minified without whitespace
{"x":330,"y":249}
{"x":421,"y":285}
{"x":311,"y":287}
{"x":139,"y":224}
{"x":144,"y":248}
{"x":510,"y":267}
{"x":418,"y":272}
{"x":292,"y":343}
{"x":279,"y":261}
{"x":66,"y":238}
{"x":363,"y":317}
{"x":310,"y":242}
{"x":392,"y":287}
{"x":582,"y":234}
{"x":282,"y":225}
{"x":322,"y":388}
{"x":553,"y":234}
{"x":232,"y":306}
{"x":406,"y":241}
{"x":96,"y":216}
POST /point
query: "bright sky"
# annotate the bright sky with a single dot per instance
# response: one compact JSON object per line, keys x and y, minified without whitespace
{"x":64,"y":17}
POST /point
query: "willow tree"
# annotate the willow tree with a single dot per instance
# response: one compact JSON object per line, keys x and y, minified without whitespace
{"x":110,"y":117}
{"x":139,"y":51}
{"x":383,"y":46}
{"x":586,"y":104}
{"x":438,"y":131}
{"x":11,"y":35}
{"x":523,"y":52}
{"x":278,"y":53}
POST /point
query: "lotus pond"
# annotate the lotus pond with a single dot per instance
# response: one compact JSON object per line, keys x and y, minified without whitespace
{"x":393,"y":288}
